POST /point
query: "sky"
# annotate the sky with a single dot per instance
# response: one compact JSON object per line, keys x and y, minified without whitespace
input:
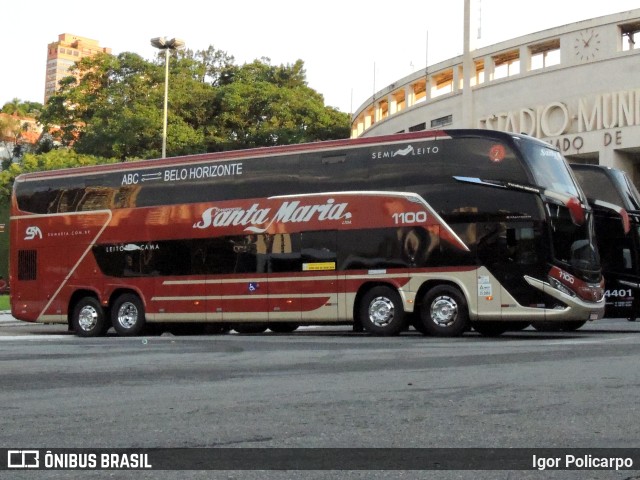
{"x":350,"y":48}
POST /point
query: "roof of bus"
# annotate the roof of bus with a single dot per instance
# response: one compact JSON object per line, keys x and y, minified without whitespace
{"x":271,"y":151}
{"x":591,"y":166}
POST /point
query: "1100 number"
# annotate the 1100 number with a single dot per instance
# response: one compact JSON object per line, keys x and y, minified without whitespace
{"x":408,"y":218}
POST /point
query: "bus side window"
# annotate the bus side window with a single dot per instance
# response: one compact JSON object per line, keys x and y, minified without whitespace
{"x":319,"y":248}
{"x":283,"y":250}
{"x":521,"y":246}
{"x":245,"y":251}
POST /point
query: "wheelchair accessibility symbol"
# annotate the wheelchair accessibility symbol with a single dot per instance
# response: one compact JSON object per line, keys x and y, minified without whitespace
{"x":254,"y":286}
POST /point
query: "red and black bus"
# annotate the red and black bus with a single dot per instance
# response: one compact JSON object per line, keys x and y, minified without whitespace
{"x":445,"y":230}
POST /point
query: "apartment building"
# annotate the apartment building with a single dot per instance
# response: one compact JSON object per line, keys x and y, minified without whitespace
{"x":63,"y":54}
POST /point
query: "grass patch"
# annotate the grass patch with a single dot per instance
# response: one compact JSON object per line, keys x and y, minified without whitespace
{"x":4,"y":302}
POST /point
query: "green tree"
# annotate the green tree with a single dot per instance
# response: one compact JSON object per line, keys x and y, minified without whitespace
{"x":116,"y":108}
{"x":264,"y":105}
{"x":22,"y":109}
{"x":212,"y":66}
{"x":109,"y":112}
{"x":11,"y":129}
{"x":54,"y":160}
{"x":15,"y":107}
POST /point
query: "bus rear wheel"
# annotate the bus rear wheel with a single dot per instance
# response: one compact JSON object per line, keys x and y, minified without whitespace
{"x":381,"y":311}
{"x":283,"y":327}
{"x":444,"y":312}
{"x":127,"y":315}
{"x":88,"y":319}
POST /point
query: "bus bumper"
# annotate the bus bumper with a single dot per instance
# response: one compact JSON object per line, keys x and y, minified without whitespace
{"x":577,"y":309}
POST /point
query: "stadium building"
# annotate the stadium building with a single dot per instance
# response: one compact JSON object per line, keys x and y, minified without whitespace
{"x":576,"y":86}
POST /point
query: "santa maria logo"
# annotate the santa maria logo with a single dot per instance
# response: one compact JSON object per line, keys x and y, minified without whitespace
{"x":257,"y":219}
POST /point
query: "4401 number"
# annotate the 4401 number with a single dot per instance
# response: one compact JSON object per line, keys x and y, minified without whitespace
{"x":622,"y":292}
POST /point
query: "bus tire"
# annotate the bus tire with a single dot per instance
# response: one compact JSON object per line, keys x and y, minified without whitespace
{"x":416,"y":322}
{"x":516,"y":325}
{"x":283,"y":327}
{"x":217,"y":329}
{"x":250,"y":327}
{"x":543,"y":326}
{"x":381,"y":311}
{"x":490,"y":329}
{"x":444,"y":312}
{"x":572,"y":325}
{"x":88,"y":319}
{"x":127,"y":315}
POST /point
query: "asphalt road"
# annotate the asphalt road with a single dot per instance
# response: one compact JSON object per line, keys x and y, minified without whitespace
{"x":321,"y":387}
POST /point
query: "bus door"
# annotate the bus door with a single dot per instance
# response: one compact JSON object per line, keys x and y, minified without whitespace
{"x":510,"y":251}
{"x":302,"y":277}
{"x":285,"y":266}
{"x":489,"y":291}
{"x":319,"y":289}
{"x":239,"y":286}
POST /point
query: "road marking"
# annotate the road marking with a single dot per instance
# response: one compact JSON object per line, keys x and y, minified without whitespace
{"x":10,"y":338}
{"x":590,"y":341}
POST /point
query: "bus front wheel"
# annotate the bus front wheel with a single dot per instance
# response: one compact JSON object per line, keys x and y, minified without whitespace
{"x":381,"y":311}
{"x":490,"y":329}
{"x":443,"y":312}
{"x":127,"y":315}
{"x":88,"y":319}
{"x":555,"y":326}
{"x":249,"y":328}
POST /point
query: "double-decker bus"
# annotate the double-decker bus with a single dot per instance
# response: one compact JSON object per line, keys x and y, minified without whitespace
{"x":617,"y":234}
{"x":444,"y":230}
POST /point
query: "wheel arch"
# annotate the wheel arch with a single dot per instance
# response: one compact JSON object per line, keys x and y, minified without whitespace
{"x":123,"y":290}
{"x":364,"y":288}
{"x":429,"y":284}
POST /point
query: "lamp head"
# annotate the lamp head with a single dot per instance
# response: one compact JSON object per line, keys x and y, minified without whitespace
{"x":163,"y":43}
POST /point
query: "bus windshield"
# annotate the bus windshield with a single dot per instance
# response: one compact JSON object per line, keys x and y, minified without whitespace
{"x":629,"y":190}
{"x":550,"y":169}
{"x":573,"y":245}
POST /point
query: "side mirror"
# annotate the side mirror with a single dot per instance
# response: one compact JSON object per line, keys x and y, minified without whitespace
{"x":624,"y":215}
{"x":576,"y":211}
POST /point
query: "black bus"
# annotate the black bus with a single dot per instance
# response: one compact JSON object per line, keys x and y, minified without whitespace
{"x":619,"y":246}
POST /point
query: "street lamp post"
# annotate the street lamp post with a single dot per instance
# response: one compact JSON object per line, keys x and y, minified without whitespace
{"x":165,"y":44}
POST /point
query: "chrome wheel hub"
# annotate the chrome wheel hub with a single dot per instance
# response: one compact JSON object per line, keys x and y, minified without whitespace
{"x":444,"y":311}
{"x":381,"y":311}
{"x":127,"y":315}
{"x":87,"y":318}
